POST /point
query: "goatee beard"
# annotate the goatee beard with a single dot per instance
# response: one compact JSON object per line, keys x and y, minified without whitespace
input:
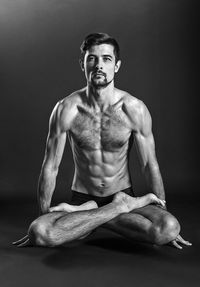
{"x":102,"y":84}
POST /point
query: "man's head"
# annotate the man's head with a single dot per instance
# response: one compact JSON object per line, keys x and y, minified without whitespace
{"x":98,"y":39}
{"x":100,"y":59}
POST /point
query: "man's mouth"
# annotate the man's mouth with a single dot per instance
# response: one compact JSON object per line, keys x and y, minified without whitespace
{"x":98,"y":74}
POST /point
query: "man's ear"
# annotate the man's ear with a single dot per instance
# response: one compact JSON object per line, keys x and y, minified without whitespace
{"x":81,"y":64}
{"x":117,"y":66}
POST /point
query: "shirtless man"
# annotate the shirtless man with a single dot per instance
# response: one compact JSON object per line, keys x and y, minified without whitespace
{"x":101,"y":122}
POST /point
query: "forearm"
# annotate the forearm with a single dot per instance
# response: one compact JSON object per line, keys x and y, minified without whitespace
{"x":154,"y":180}
{"x":46,"y":187}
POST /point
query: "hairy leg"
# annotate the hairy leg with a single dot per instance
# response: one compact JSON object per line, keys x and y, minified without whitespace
{"x":56,"y":228}
{"x":149,"y":224}
{"x":63,"y":208}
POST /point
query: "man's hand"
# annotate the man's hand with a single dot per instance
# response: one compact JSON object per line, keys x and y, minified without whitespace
{"x":179,"y":240}
{"x":23,"y":242}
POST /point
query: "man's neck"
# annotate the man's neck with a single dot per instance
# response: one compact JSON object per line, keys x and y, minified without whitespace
{"x":101,"y":97}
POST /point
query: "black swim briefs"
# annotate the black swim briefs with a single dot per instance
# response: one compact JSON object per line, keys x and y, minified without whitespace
{"x":79,"y":198}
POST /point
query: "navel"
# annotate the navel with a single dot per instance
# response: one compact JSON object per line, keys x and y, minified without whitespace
{"x":102,"y":184}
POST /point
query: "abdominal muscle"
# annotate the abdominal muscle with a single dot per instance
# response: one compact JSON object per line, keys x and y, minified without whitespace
{"x":100,"y":173}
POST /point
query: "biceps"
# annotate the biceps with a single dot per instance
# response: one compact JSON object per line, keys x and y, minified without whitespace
{"x":145,"y":146}
{"x":54,"y":151}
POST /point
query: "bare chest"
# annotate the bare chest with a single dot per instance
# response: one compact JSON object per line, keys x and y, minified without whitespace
{"x":108,"y":130}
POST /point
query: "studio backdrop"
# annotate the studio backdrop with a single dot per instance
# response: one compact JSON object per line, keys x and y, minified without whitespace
{"x":39,"y":65}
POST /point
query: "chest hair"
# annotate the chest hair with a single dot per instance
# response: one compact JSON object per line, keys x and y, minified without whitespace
{"x":108,"y":130}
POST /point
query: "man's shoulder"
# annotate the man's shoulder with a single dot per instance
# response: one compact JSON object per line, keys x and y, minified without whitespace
{"x":69,"y":103}
{"x":131,"y":103}
{"x":71,"y":100}
{"x":135,"y":109}
{"x":65,"y":109}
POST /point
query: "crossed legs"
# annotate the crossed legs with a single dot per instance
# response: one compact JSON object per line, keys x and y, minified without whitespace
{"x":149,"y":224}
{"x":131,"y":217}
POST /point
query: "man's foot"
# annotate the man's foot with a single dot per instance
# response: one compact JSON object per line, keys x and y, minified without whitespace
{"x":71,"y":208}
{"x":127,"y":203}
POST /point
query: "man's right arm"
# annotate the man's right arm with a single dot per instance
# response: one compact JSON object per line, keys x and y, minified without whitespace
{"x":53,"y":154}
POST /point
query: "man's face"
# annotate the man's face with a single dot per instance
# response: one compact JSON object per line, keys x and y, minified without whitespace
{"x":100,"y":65}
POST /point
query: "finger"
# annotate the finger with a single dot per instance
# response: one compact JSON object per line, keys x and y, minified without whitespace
{"x":176,"y":245}
{"x":20,"y":240}
{"x":25,"y":243}
{"x":183,"y":241}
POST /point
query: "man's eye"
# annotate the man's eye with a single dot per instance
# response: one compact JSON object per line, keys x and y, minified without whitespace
{"x":90,"y":59}
{"x":107,"y":59}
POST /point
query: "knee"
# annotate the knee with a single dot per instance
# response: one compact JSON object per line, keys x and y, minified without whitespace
{"x":165,"y":230}
{"x":40,"y":234}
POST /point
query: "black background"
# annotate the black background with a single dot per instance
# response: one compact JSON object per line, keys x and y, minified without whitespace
{"x":39,"y":51}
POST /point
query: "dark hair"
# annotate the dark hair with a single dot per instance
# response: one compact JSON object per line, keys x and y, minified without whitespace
{"x":97,"y":39}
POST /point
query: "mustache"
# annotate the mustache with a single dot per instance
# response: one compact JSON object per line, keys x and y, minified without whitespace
{"x":98,"y":72}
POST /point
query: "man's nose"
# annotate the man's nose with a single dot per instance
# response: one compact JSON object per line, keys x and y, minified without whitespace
{"x":99,"y":64}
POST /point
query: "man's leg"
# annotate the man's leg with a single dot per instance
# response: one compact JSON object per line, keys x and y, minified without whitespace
{"x":57,"y":228}
{"x":150,"y":224}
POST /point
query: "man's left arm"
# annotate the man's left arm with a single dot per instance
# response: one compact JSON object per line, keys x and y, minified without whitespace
{"x":145,"y":145}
